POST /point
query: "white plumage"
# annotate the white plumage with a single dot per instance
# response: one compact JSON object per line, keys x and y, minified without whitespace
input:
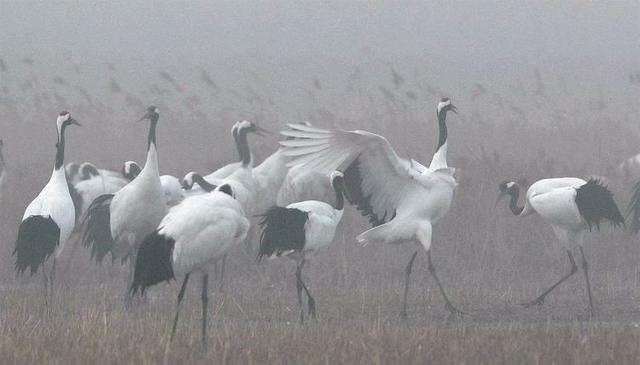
{"x":302,"y":184}
{"x":90,"y":189}
{"x":190,"y":239}
{"x":172,"y":189}
{"x":571,"y":206}
{"x":402,"y":198}
{"x":268,"y":177}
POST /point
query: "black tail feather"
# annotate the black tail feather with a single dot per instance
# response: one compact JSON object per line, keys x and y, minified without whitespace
{"x":595,"y":203}
{"x":282,"y":230}
{"x":38,"y":238}
{"x":97,"y":228}
{"x":153,"y":262}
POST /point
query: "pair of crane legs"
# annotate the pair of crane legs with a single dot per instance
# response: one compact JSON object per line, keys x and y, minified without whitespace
{"x":538,"y":301}
{"x":203,"y":296}
{"x":572,"y":270}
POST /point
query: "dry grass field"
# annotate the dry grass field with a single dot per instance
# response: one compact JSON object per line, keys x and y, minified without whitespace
{"x":488,"y":260}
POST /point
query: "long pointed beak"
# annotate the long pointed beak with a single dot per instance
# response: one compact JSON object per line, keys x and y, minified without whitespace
{"x":261,"y":131}
{"x":73,"y":121}
{"x":500,"y":196}
{"x":146,"y":116}
{"x":453,"y":108}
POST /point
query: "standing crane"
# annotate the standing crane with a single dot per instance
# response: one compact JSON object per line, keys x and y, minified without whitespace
{"x":190,"y":239}
{"x":570,"y":205}
{"x":300,"y":230}
{"x":117,"y":223}
{"x":402,"y":198}
{"x":49,"y":219}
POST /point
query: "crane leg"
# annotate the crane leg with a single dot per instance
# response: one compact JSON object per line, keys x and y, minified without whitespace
{"x":299,"y":287}
{"x":223,"y":264}
{"x":540,"y":299}
{"x":311,"y":301}
{"x":128,"y":297}
{"x":46,"y":287}
{"x":180,"y":296}
{"x":452,"y":310}
{"x":586,"y":277}
{"x":52,"y":276}
{"x":407,"y":274}
{"x":205,"y":301}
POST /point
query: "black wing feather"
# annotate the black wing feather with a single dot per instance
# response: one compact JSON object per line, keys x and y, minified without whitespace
{"x":153,"y":262}
{"x":37,"y":239}
{"x":97,"y":228}
{"x":282,"y":230}
{"x":595,"y":203}
{"x":355,"y":196}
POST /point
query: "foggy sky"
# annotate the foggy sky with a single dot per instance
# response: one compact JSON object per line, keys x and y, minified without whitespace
{"x":285,"y":42}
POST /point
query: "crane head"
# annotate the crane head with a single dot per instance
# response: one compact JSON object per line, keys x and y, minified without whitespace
{"x":507,"y":188}
{"x":88,"y":170}
{"x":187,"y":180}
{"x":65,"y":119}
{"x":445,"y":105}
{"x":153,"y":114}
{"x":245,"y":126}
{"x":130,"y":170}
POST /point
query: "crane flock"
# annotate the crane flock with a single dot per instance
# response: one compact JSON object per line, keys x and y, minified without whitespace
{"x":168,"y":228}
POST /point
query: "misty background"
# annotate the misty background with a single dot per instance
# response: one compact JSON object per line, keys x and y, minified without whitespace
{"x":543,"y":89}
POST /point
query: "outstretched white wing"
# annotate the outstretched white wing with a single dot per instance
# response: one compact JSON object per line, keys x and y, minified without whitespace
{"x":376,"y":179}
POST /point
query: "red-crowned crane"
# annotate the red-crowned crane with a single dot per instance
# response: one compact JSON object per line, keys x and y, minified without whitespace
{"x":117,"y":223}
{"x":402,"y":198}
{"x":190,"y":239}
{"x":571,"y":206}
{"x":49,"y":219}
{"x":300,"y":230}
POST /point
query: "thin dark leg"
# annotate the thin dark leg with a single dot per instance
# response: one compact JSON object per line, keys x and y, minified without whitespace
{"x":453,"y":310}
{"x":52,"y":276}
{"x":299,"y":289}
{"x":205,"y":301}
{"x":223,"y":264}
{"x":586,"y":277}
{"x":407,"y":274}
{"x":46,"y":286}
{"x":128,"y":296}
{"x":311,"y":301}
{"x":540,"y":299}
{"x":180,"y":296}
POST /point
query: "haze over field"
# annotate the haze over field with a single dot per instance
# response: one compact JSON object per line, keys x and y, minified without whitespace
{"x":543,"y":89}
